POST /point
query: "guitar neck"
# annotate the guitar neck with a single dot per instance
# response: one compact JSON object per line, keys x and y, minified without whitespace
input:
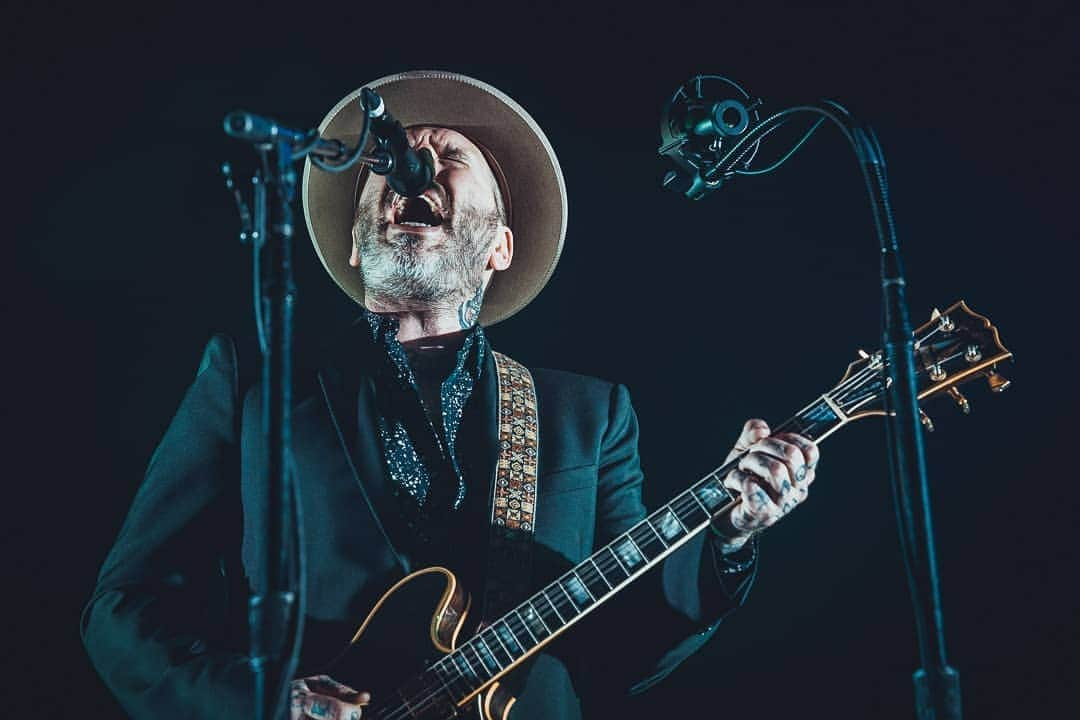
{"x":512,"y":638}
{"x":955,"y":346}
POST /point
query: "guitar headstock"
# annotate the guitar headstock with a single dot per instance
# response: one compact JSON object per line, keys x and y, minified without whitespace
{"x":956,"y":346}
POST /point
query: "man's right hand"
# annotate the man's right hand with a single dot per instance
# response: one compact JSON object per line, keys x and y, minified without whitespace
{"x":323,"y":698}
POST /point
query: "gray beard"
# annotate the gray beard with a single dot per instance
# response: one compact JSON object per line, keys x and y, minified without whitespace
{"x":398,"y":269}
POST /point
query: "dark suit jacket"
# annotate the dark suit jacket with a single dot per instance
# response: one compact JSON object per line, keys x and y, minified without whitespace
{"x":165,"y":626}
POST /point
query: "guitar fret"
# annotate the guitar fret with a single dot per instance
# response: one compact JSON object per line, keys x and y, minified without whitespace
{"x":526,"y":626}
{"x":592,"y":579}
{"x":601,"y":574}
{"x":573,"y":605}
{"x":618,"y":562}
{"x":485,"y":655}
{"x":543,"y":594}
{"x":713,"y":495}
{"x":669,"y":514}
{"x":521,"y":631}
{"x":509,"y":655}
{"x":638,"y":546}
{"x":644,"y":535}
{"x":468,"y":666}
{"x":629,"y":552}
{"x":532,"y":612}
{"x":656,"y":533}
{"x":578,"y":582}
{"x":819,"y":413}
{"x":506,"y":636}
{"x":691,"y":514}
{"x":610,"y":570}
{"x":479,"y":661}
{"x":569,"y":608}
{"x":698,"y":501}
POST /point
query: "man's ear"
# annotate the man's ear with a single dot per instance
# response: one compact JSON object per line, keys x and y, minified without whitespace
{"x":503,"y":251}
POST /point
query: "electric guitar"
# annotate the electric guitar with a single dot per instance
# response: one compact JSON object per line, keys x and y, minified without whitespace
{"x":448,"y":676}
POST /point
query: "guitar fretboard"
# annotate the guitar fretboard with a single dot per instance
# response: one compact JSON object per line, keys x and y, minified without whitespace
{"x":505,"y":642}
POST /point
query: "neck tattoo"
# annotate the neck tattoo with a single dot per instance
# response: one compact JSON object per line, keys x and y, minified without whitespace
{"x":469,"y":311}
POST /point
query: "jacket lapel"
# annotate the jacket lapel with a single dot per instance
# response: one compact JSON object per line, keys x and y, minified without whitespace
{"x":349,"y":411}
{"x":348,"y":405}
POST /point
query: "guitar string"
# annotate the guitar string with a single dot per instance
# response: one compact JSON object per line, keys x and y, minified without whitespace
{"x":846,"y":393}
{"x":838,"y":394}
{"x":678,"y":505}
{"x":605,"y":566}
{"x":456,"y":677}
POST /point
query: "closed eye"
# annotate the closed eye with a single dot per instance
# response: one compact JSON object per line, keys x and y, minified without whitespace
{"x":456,"y":155}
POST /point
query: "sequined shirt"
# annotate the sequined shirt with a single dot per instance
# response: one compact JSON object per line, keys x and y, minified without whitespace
{"x":419,"y":441}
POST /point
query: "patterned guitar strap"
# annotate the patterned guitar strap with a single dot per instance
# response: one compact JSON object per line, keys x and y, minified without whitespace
{"x":513,"y":502}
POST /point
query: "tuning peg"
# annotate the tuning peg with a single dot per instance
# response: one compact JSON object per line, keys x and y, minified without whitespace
{"x":926,"y":421}
{"x":945,"y":323}
{"x":863,"y":355}
{"x":962,"y":401}
{"x":997,"y":382}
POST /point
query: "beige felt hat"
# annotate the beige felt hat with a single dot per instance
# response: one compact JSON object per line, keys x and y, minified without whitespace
{"x":522,"y":158}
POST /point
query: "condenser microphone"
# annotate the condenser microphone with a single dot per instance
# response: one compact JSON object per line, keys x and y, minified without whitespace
{"x":410,"y":171}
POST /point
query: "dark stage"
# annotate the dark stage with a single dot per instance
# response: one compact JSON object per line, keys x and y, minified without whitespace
{"x":747,"y":303}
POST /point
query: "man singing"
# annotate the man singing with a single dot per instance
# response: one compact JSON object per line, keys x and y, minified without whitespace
{"x":416,"y":445}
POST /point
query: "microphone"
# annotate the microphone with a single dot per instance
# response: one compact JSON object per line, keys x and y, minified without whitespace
{"x":410,"y":172}
{"x":262,"y":130}
{"x":705,"y":116}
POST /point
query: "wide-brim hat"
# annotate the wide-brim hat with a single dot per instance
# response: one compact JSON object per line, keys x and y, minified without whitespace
{"x":523,"y":162}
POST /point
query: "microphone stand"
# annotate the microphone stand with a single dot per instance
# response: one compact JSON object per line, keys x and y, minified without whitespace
{"x":937,"y":685}
{"x":277,"y":606}
{"x":277,"y":600}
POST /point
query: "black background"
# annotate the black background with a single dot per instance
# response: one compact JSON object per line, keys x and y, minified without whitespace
{"x":750,"y":302}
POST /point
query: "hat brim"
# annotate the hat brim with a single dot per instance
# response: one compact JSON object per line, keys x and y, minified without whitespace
{"x":531,"y":172}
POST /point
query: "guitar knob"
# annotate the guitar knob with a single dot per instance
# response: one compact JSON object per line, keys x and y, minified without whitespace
{"x":962,"y":401}
{"x":926,"y":421}
{"x":997,"y":382}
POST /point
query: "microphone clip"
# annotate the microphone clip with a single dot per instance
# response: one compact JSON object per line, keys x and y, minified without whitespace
{"x":704,"y":116}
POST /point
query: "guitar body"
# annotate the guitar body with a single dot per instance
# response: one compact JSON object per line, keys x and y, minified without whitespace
{"x":416,"y":622}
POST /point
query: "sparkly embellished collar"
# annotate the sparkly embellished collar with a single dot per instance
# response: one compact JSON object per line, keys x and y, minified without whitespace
{"x":382,"y":331}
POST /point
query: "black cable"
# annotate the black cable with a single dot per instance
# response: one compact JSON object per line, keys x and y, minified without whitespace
{"x":354,"y":156}
{"x":787,"y":155}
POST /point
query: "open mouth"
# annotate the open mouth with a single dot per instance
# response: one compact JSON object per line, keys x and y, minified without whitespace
{"x":417,"y":212}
